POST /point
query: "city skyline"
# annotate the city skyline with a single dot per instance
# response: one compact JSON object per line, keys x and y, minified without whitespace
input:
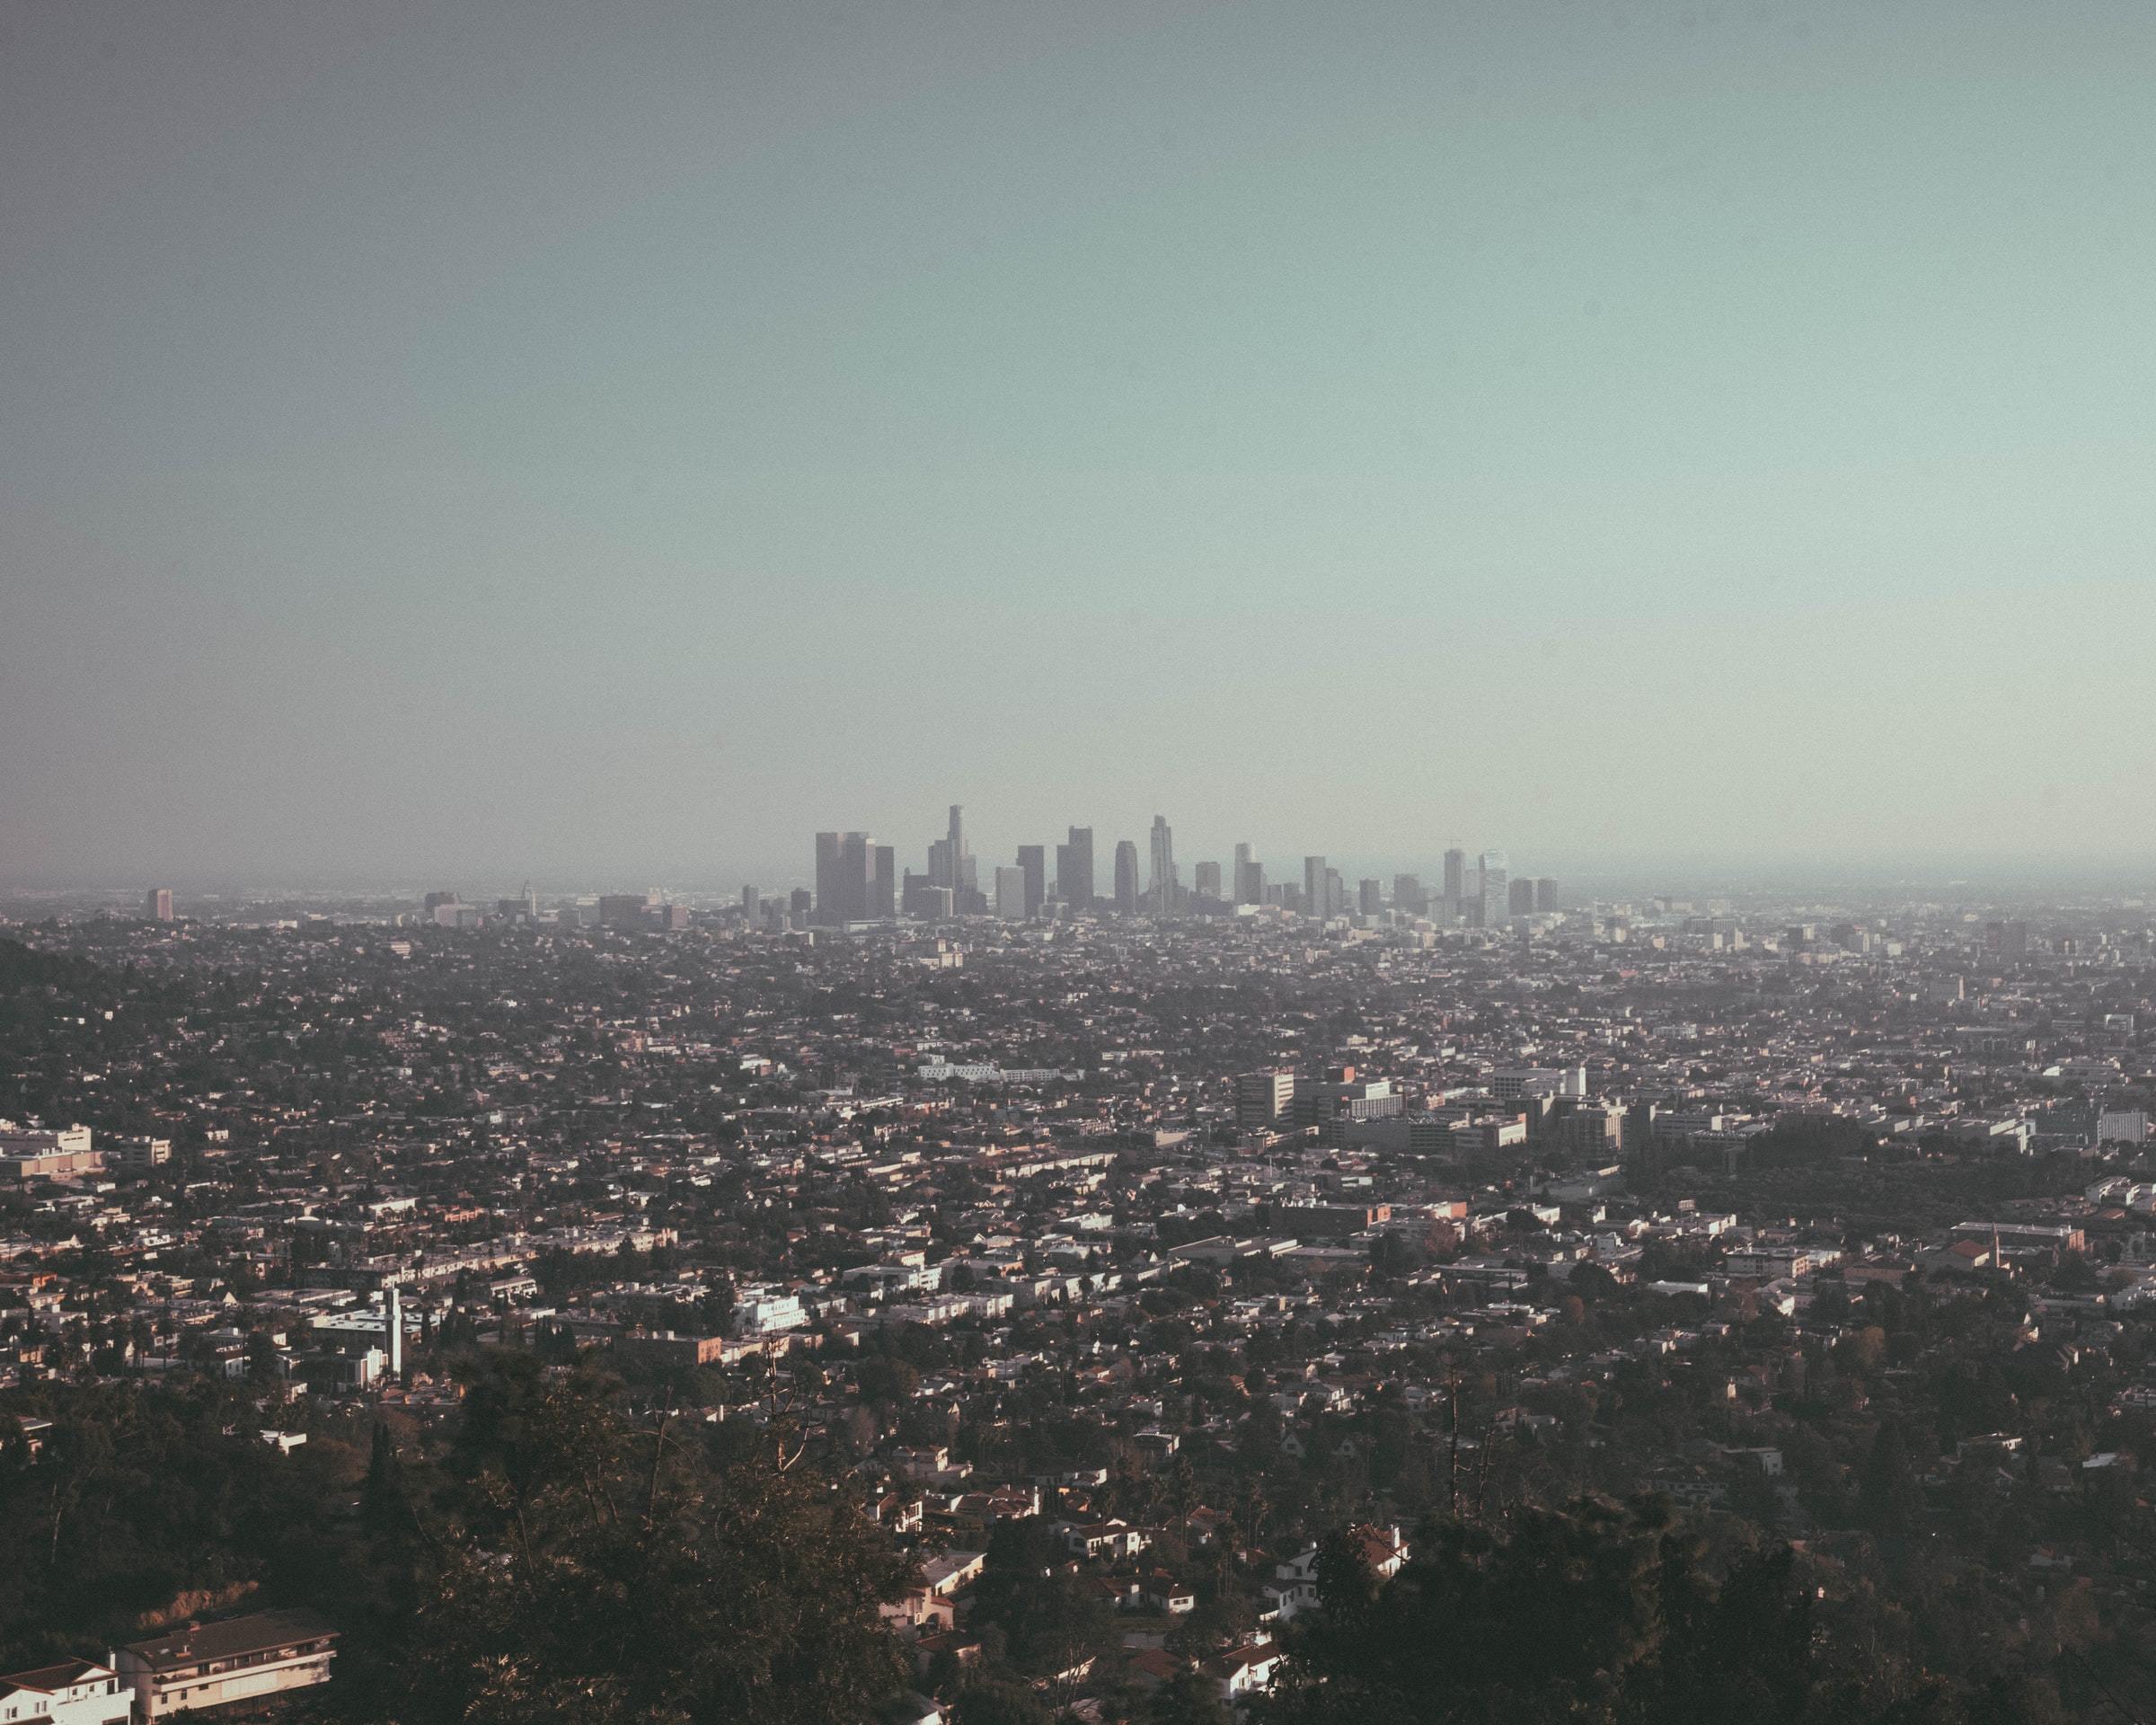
{"x":955,"y":862}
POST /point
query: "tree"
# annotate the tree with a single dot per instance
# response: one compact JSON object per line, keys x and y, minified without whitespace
{"x":611,"y":1574}
{"x":1887,"y":1494}
{"x":886,"y":1381}
{"x":1190,"y":1697}
{"x":383,"y":1505}
{"x":998,"y":1704}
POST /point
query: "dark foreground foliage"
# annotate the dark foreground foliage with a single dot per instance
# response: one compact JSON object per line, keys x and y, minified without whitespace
{"x":1618,"y":1616}
{"x":559,"y":1560}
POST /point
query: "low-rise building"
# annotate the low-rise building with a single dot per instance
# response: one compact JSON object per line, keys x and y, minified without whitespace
{"x":251,"y":1660}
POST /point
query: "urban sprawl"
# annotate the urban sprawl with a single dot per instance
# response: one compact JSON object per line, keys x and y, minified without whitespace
{"x":1124,"y":1250}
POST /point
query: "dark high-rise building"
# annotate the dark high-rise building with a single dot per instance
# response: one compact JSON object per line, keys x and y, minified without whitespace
{"x":158,"y":905}
{"x":1521,"y":894}
{"x":1250,"y":876}
{"x":798,"y":904}
{"x":626,"y":909}
{"x":1314,"y":894}
{"x":1455,"y":881}
{"x":1074,"y":868}
{"x":856,"y":864}
{"x":1406,"y":895}
{"x":1370,"y":897}
{"x":1545,"y":893}
{"x":842,"y":878}
{"x":1127,"y":878}
{"x":1161,"y":891}
{"x":826,"y":878}
{"x":883,"y":881}
{"x":1205,"y":881}
{"x":1033,"y":864}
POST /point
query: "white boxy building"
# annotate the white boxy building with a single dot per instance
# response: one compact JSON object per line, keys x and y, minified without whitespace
{"x":77,"y":1691}
{"x":241,"y":1659}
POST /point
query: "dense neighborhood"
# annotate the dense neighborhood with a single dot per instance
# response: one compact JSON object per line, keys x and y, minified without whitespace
{"x":1133,"y":1280}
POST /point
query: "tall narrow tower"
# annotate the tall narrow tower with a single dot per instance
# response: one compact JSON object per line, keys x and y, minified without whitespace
{"x":392,"y":1313}
{"x":957,"y":844}
{"x":1162,"y":889}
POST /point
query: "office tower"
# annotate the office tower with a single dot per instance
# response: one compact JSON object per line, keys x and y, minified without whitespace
{"x":1545,"y":893}
{"x":1264,"y":1098}
{"x":962,"y":876}
{"x":797,"y":905}
{"x":1033,"y":862}
{"x":883,"y":883}
{"x":1250,"y":876}
{"x":1162,"y":890}
{"x":1496,"y":903}
{"x":940,"y":873}
{"x":1207,"y":882}
{"x":158,"y":905}
{"x":1520,"y":897}
{"x":1336,"y":893}
{"x":1369,"y":898}
{"x":854,"y":865}
{"x":1127,"y":878}
{"x":827,"y":890}
{"x":842,"y":878}
{"x":1455,"y":881}
{"x":1074,"y":868}
{"x":1313,"y":886}
{"x":751,"y":902}
{"x":1011,"y":895}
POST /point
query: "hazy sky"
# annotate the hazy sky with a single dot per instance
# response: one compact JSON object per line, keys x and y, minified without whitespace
{"x":609,"y":443}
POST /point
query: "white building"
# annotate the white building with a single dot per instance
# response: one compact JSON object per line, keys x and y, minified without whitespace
{"x":35,"y":1154}
{"x":765,"y":1311}
{"x":78,"y":1691}
{"x":217,"y":1665}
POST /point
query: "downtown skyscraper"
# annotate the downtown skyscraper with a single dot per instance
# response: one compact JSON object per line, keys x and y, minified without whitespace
{"x":1127,"y":878}
{"x":1496,"y":895}
{"x":1074,"y":870}
{"x":1032,"y":862}
{"x":1161,"y":892}
{"x":845,"y":873}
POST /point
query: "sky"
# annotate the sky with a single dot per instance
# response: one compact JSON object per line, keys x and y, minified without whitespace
{"x":606,"y":444}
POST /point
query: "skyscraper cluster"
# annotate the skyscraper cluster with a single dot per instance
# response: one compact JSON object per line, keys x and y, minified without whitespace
{"x":856,"y":881}
{"x":854,"y":878}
